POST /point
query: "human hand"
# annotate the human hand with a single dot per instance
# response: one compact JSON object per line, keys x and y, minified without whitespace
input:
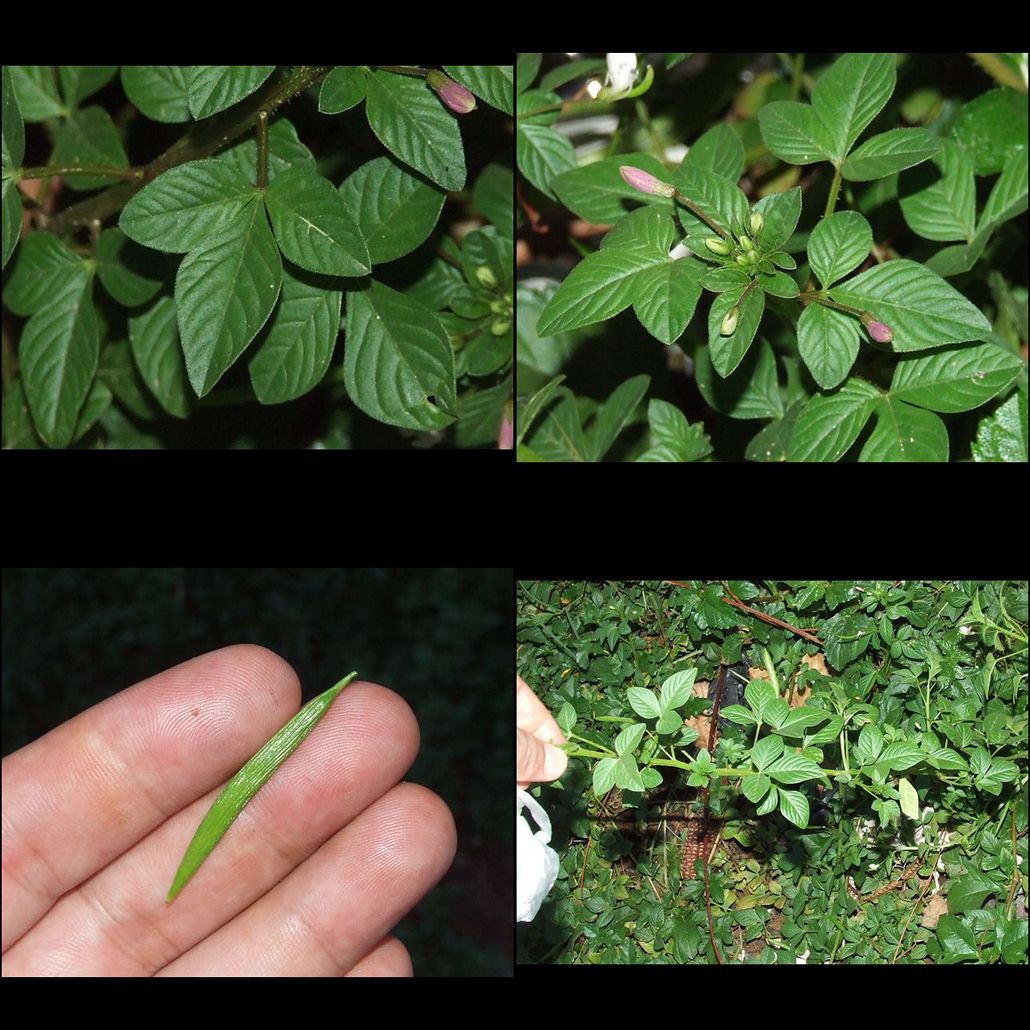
{"x":536,"y":733}
{"x":309,"y":880}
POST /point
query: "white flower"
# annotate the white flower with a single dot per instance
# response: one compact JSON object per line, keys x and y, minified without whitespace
{"x":622,"y":72}
{"x":593,"y":88}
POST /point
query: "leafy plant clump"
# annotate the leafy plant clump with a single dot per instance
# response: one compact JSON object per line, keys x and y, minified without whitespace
{"x":188,"y":245}
{"x":836,"y":246}
{"x":866,"y":798}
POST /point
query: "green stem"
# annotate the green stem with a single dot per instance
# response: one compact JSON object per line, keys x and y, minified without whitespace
{"x":831,"y":200}
{"x":204,"y":139}
{"x":715,"y":226}
{"x":262,"y":150}
{"x":418,"y":73}
{"x":819,"y":298}
{"x":51,"y":170}
{"x":797,"y":72}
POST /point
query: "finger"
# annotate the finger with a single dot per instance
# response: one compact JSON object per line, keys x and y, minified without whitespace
{"x":532,"y":715}
{"x":388,"y":958}
{"x":537,"y":760}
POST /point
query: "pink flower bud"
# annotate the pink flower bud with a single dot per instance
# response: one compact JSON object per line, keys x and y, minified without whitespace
{"x":645,"y":182}
{"x":879,"y":331}
{"x":454,"y":95}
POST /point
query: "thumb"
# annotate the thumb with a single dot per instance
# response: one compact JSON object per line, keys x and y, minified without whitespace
{"x":538,"y":760}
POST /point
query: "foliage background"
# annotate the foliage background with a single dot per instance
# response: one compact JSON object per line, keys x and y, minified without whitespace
{"x":441,"y":638}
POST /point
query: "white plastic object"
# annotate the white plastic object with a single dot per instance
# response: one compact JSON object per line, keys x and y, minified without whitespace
{"x":536,"y":863}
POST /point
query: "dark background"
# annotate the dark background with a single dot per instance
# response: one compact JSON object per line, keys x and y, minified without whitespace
{"x":441,"y":638}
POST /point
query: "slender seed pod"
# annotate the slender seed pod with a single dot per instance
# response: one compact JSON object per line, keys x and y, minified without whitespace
{"x":248,"y":781}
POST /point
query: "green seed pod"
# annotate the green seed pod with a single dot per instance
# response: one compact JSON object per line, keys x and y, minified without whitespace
{"x":717,"y":246}
{"x":486,"y":277}
{"x":729,"y":323}
{"x":742,"y":259}
{"x":746,"y":244}
{"x":757,"y":221}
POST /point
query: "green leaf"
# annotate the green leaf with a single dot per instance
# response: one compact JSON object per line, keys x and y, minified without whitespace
{"x":1009,"y":196}
{"x":944,"y":208}
{"x":19,"y":432}
{"x":213,"y":88}
{"x":542,"y":155}
{"x":990,"y":127}
{"x":490,"y":248}
{"x":719,"y":150}
{"x":794,"y":132}
{"x":411,"y":123}
{"x":759,"y":694}
{"x":534,"y":406}
{"x":726,"y":352}
{"x":627,"y":773}
{"x":130,"y":273}
{"x":59,"y":351}
{"x":773,"y":442}
{"x":967,"y":892}
{"x":13,"y":128}
{"x":755,"y":788}
{"x":161,"y":92}
{"x":598,"y":193}
{"x":43,"y":267}
{"x":838,"y":245}
{"x":766,"y":751}
{"x":902,"y":754}
{"x":850,"y":94}
{"x":643,"y":702}
{"x":236,"y":794}
{"x":605,"y":283}
{"x":794,"y":807}
{"x":398,"y":355}
{"x":224,"y":291}
{"x":313,"y":226}
{"x":526,"y":70}
{"x":677,"y":689}
{"x":799,"y":720}
{"x":957,"y":941}
{"x":828,"y":344}
{"x":1003,"y":436}
{"x":751,"y":391}
{"x":666,"y":298}
{"x":186,"y":205}
{"x":716,"y":196}
{"x":770,"y":802}
{"x":921,"y":308}
{"x":956,"y":378}
{"x":725,"y":277}
{"x":79,"y":81}
{"x":673,"y":438}
{"x":89,"y":137}
{"x":559,"y":436}
{"x":342,"y":89}
{"x":613,"y":415}
{"x":293,"y":352}
{"x":492,"y":83}
{"x":778,"y":284}
{"x":829,"y":424}
{"x":604,"y":776}
{"x":12,"y":212}
{"x":738,"y":714}
{"x":493,"y":195}
{"x":629,"y":738}
{"x":781,"y":212}
{"x":154,"y":336}
{"x":890,"y":152}
{"x":36,"y":90}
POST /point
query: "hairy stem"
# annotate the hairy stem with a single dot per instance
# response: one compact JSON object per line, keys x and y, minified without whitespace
{"x":50,"y":170}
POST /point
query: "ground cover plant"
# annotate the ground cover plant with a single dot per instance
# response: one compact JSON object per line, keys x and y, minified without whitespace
{"x":825,"y":257}
{"x":865,"y":799}
{"x":184,"y":248}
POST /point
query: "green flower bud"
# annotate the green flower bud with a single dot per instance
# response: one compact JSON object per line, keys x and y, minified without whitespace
{"x":752,"y":257}
{"x":729,"y":323}
{"x":741,"y":259}
{"x":757,"y":221}
{"x":500,"y":307}
{"x":746,"y":244}
{"x":501,"y":326}
{"x":717,"y":246}
{"x":486,"y":277}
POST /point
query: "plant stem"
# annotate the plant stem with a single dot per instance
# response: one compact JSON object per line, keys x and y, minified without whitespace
{"x":418,"y":73}
{"x":262,"y":150}
{"x":831,"y":200}
{"x":50,"y":170}
{"x":686,"y":202}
